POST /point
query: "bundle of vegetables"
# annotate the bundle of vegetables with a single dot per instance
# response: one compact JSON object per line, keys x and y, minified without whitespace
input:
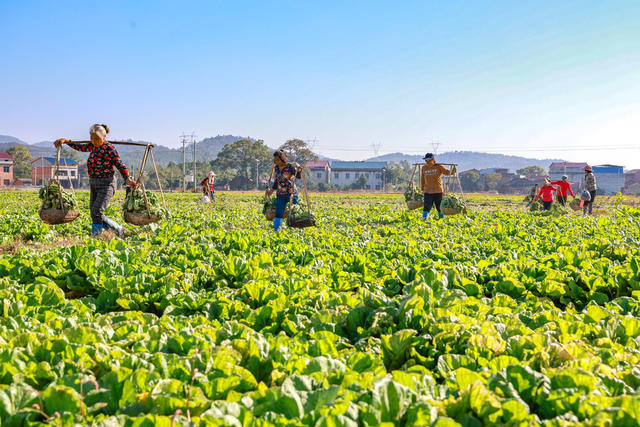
{"x":558,"y":209}
{"x":536,"y":205}
{"x":413,"y":193}
{"x":300,"y":217}
{"x":453,"y":203}
{"x":575,"y":204}
{"x":51,"y":198}
{"x":268,"y":203}
{"x":134,"y":203}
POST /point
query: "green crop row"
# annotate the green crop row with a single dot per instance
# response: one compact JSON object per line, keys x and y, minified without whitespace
{"x":372,"y":318}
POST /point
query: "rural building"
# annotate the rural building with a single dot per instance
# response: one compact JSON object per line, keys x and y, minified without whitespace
{"x":6,"y":170}
{"x":320,"y":171}
{"x":516,"y":184}
{"x":632,"y":182}
{"x":345,"y":174}
{"x":610,"y":178}
{"x":574,"y":171}
{"x":42,"y":170}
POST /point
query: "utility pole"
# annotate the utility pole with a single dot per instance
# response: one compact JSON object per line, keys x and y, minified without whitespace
{"x":435,"y":146}
{"x":376,"y":147}
{"x":184,"y":163}
{"x":193,"y":139}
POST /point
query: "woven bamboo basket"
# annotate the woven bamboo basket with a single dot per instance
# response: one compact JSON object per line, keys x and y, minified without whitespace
{"x":294,"y":222}
{"x":414,"y":204}
{"x":140,"y":218}
{"x":271,"y":213}
{"x":58,"y":216}
{"x":451,"y":211}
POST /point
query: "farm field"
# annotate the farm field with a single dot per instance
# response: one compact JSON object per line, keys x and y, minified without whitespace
{"x":502,"y":317}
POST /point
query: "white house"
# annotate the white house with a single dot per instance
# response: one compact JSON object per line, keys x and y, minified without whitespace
{"x":344,"y":174}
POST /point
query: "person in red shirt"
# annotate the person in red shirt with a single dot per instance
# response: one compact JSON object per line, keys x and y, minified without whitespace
{"x":208,"y":185}
{"x":564,"y":187}
{"x":546,"y":192}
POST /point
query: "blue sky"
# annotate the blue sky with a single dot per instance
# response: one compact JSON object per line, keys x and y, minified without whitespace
{"x":539,"y":79}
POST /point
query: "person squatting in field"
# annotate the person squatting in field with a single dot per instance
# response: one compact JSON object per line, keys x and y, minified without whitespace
{"x":102,"y":160}
{"x":546,"y":192}
{"x":283,"y":184}
{"x":431,"y":184}
{"x":207,"y":185}
{"x":591,"y":187}
{"x":564,"y":186}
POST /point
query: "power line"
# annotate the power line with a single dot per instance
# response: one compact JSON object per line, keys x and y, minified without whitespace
{"x":585,"y":148}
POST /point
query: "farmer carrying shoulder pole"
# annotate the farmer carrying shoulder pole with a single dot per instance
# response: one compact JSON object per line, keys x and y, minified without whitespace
{"x":283,"y":185}
{"x":591,"y":187}
{"x":102,"y":181}
{"x":208,"y":185}
{"x":564,"y":186}
{"x":431,"y":184}
{"x":546,"y":192}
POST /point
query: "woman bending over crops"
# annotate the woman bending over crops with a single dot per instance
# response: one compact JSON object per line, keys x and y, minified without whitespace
{"x":546,"y":192}
{"x":100,"y":164}
{"x":564,"y":187}
{"x":431,"y":184}
{"x":207,"y":185}
{"x":283,"y":185}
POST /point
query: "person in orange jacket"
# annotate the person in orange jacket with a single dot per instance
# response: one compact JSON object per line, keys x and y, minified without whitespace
{"x":546,"y":192}
{"x":431,"y":184}
{"x":564,"y":187}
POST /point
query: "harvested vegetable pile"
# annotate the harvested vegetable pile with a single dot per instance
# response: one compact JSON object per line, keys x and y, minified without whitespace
{"x":134,"y":202}
{"x":575,"y":204}
{"x":51,"y":199}
{"x":413,"y":194}
{"x":300,"y":217}
{"x":536,"y":206}
{"x":453,"y":201}
{"x":268,"y":203}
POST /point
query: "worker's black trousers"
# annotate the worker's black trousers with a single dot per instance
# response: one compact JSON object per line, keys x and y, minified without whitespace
{"x":430,"y":199}
{"x":102,"y":190}
{"x":562,"y":200}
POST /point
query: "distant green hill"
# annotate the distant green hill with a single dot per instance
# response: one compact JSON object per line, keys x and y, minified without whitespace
{"x":473,"y":160}
{"x":206,"y":150}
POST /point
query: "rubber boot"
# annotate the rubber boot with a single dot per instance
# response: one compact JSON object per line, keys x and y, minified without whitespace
{"x":96,"y":229}
{"x":440,"y":215}
{"x":110,"y":224}
{"x":425,"y":215}
{"x":276,"y":224}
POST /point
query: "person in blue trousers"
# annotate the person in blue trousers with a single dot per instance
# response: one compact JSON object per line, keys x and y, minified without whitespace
{"x":283,"y":185}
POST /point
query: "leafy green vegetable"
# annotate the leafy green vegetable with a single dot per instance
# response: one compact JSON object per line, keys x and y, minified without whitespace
{"x":413,"y":193}
{"x":52,"y":194}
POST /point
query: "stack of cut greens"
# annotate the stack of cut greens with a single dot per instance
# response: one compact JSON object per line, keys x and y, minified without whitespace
{"x":51,"y":198}
{"x":134,"y":202}
{"x":454,"y":202}
{"x":268,"y":204}
{"x":413,"y":193}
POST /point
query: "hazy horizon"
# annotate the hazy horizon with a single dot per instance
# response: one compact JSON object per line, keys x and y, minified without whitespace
{"x":534,"y":80}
